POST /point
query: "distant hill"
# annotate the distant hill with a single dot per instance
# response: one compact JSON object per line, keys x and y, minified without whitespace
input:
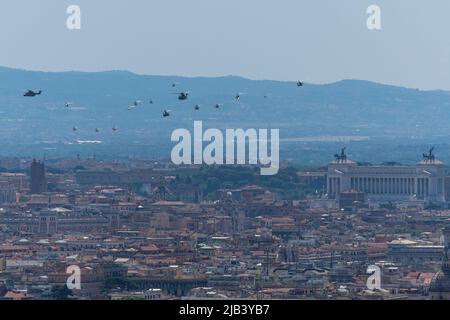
{"x":378,"y":122}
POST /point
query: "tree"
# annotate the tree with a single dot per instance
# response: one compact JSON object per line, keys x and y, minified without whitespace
{"x":61,"y":293}
{"x":212,"y":184}
{"x":389,"y":206}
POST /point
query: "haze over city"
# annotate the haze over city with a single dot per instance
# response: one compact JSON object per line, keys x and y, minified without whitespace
{"x":243,"y":152}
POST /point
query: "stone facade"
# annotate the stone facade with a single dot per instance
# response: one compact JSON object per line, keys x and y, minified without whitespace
{"x":424,"y":181}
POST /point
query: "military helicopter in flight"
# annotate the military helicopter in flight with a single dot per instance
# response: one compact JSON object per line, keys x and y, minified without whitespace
{"x":134,"y":105}
{"x":300,"y":84}
{"x":67,"y":104}
{"x":166,"y":113}
{"x":31,"y":93}
{"x":218,"y":105}
{"x":197,"y":107}
{"x":114,"y":129}
{"x":183,"y":95}
{"x":237,"y":97}
{"x":97,"y":130}
{"x":74,"y":129}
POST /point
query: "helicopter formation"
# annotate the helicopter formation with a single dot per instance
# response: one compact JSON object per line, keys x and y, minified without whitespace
{"x":182,"y":96}
{"x":97,"y":130}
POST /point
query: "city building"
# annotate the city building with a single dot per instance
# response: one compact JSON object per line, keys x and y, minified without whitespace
{"x":382,"y":183}
{"x":410,"y":252}
{"x":37,"y":173}
{"x":440,"y":286}
{"x":351,"y":199}
{"x":8,"y":193}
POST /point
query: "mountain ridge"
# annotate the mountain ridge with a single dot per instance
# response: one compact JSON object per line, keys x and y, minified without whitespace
{"x":230,"y":76}
{"x":377,"y":115}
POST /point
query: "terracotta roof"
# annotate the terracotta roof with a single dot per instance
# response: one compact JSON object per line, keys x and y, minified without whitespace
{"x":16,"y":295}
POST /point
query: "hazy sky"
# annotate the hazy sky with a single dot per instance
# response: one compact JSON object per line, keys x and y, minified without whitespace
{"x":316,"y":41}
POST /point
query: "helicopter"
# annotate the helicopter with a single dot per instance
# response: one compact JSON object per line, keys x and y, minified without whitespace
{"x":197,"y":107}
{"x":31,"y":93}
{"x":166,"y":113}
{"x":67,"y":104}
{"x":238,"y":97}
{"x":74,"y":129}
{"x":134,"y":105}
{"x":183,"y":95}
{"x":299,"y":84}
{"x":97,"y":130}
{"x":218,"y":105}
{"x":114,"y":129}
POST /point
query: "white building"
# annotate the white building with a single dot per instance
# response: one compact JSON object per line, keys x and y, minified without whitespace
{"x":381,"y":183}
{"x":8,"y":193}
